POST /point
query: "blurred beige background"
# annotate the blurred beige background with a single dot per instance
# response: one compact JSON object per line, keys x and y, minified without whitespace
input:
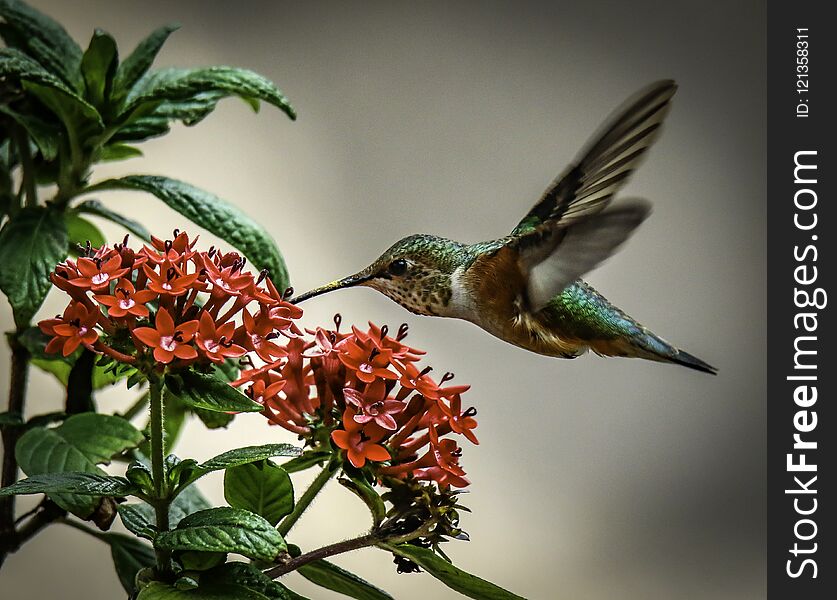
{"x":595,"y":479}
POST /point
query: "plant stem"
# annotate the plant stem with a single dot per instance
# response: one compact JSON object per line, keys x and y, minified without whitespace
{"x":306,"y":499}
{"x":161,"y":502}
{"x":17,"y":403}
{"x":364,"y":541}
{"x":28,"y":167}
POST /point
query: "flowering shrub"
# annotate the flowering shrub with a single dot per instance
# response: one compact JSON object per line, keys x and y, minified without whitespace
{"x":198,"y":334}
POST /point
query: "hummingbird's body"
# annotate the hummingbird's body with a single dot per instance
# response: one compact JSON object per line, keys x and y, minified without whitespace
{"x":526,"y":288}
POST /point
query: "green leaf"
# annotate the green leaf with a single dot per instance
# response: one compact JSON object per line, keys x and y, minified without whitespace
{"x":138,"y":62}
{"x":363,"y":490}
{"x":115,"y":152}
{"x":260,"y":487}
{"x":213,"y":214}
{"x":31,"y":245}
{"x":249,"y":576}
{"x":54,"y":93}
{"x":336,"y":579}
{"x":178,"y":85}
{"x":453,"y":577}
{"x":243,"y":456}
{"x":130,"y":556}
{"x":212,"y":419}
{"x":78,"y":444}
{"x":157,"y":590}
{"x":224,"y":530}
{"x":80,"y":231}
{"x":82,"y":483}
{"x":94,"y":207}
{"x":306,"y":460}
{"x":138,"y":518}
{"x":98,"y":66}
{"x":209,"y":392}
{"x":142,"y":129}
{"x":46,"y":136}
{"x":44,"y":40}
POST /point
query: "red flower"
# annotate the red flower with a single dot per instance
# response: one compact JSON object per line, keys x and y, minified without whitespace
{"x":462,"y":422}
{"x":226,"y":280}
{"x":217,"y":342}
{"x":98,"y":273}
{"x":74,"y":328}
{"x":374,"y":406}
{"x":126,"y":300}
{"x":168,"y":342}
{"x":360,"y":442}
{"x":171,"y":281}
{"x":258,"y":336}
{"x":367,"y":362}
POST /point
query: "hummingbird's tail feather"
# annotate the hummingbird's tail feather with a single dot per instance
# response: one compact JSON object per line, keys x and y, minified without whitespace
{"x":644,"y":344}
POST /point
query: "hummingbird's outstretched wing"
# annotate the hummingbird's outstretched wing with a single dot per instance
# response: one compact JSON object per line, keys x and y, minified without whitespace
{"x":588,"y":185}
{"x":556,"y":254}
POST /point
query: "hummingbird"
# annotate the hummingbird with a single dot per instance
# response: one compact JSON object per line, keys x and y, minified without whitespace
{"x":526,"y":288}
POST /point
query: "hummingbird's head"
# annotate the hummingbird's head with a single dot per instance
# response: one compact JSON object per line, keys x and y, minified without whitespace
{"x":415,"y":272}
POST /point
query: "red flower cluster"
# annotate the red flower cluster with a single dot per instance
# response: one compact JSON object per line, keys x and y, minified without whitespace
{"x":171,"y":305}
{"x":115,"y":289}
{"x":382,"y":411}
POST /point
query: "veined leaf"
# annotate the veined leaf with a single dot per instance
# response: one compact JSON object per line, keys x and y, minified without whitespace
{"x":183,"y":84}
{"x":96,"y":208}
{"x":157,"y":590}
{"x":240,"y":456}
{"x":224,"y":530}
{"x":63,"y":101}
{"x":82,"y":483}
{"x":260,"y":487}
{"x":453,"y":577}
{"x":45,"y":135}
{"x":213,"y":214}
{"x":199,"y":390}
{"x":138,"y":62}
{"x":249,"y":576}
{"x":98,"y":66}
{"x":139,"y":517}
{"x":31,"y":244}
{"x":78,"y":444}
{"x":336,"y":579}
{"x":44,"y":40}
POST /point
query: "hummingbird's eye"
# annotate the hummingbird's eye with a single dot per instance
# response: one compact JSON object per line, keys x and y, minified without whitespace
{"x":398,"y":267}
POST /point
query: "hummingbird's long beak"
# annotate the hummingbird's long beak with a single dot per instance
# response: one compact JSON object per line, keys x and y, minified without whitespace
{"x":350,"y":281}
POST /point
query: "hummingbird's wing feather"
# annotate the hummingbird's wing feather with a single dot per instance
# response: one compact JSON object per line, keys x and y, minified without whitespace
{"x":607,"y":161}
{"x":555,"y":255}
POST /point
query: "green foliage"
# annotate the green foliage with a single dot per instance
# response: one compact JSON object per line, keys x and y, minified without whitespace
{"x":238,"y":457}
{"x":58,"y":484}
{"x":337,"y":579}
{"x":364,"y":490}
{"x":78,"y":445}
{"x":130,"y":556}
{"x":453,"y":577}
{"x":96,"y":208}
{"x":224,"y":529}
{"x":213,"y":214}
{"x":260,"y":487}
{"x":208,"y":392}
{"x":30,"y":246}
{"x":43,"y":39}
